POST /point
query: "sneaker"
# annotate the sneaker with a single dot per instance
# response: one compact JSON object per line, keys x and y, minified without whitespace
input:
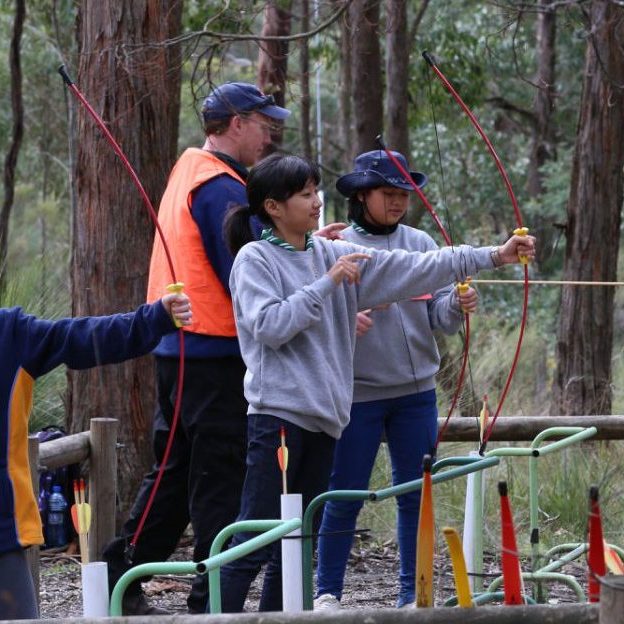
{"x":136,"y":604}
{"x":407,"y":605}
{"x":326,"y":602}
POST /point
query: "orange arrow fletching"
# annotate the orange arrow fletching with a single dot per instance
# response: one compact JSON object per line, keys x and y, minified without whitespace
{"x":613,"y":561}
{"x":74,"y":508}
{"x":75,"y":519}
{"x":282,"y":458}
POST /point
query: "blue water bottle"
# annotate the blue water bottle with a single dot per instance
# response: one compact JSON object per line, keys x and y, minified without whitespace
{"x":57,"y":531}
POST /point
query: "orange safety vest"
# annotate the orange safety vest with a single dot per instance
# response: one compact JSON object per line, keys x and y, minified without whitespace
{"x":212,"y":305}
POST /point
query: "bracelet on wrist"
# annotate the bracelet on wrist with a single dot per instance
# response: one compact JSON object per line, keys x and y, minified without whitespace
{"x":497,"y":261}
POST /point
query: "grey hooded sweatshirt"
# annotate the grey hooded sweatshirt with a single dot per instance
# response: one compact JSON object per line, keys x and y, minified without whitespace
{"x":296,"y":327}
{"x":398,"y":355}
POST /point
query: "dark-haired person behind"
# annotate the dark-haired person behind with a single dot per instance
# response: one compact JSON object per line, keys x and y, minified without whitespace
{"x":296,"y":299}
{"x":30,"y":348}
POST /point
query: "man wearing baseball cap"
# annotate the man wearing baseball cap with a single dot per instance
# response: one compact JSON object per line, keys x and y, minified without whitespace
{"x":204,"y":475}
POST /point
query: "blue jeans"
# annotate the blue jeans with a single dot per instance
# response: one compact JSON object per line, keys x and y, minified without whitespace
{"x":310,"y":458}
{"x":410,"y":424}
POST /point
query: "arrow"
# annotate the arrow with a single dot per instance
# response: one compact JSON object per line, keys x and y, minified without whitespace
{"x":282,"y":459}
{"x":81,"y":518}
{"x":484,"y":418}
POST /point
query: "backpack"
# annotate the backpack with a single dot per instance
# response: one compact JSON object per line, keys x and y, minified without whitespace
{"x":63,"y":476}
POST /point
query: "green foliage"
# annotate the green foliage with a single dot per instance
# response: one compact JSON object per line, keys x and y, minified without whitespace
{"x":564,"y":479}
{"x":39,"y":293}
{"x":488,"y":53}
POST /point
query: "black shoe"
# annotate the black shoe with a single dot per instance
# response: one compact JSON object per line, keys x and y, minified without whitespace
{"x":136,"y":604}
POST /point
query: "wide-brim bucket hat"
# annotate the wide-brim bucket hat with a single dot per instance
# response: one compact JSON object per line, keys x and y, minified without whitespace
{"x":375,"y":169}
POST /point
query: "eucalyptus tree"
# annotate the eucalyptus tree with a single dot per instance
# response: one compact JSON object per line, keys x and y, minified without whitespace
{"x":17,"y":132}
{"x":133,"y":81}
{"x":273,"y":55}
{"x":583,"y":379}
{"x":366,"y":81}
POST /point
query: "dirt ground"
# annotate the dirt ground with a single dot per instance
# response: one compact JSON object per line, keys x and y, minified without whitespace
{"x":372,"y":582}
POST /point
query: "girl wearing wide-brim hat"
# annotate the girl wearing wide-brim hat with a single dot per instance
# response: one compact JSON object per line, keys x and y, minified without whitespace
{"x":396,"y":361}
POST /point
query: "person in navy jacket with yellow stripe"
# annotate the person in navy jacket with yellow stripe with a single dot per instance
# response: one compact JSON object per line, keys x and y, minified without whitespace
{"x":29,"y":348}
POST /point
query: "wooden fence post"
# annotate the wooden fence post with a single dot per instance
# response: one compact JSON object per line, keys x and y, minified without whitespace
{"x":32,"y":552}
{"x":612,"y":600}
{"x":102,"y":484}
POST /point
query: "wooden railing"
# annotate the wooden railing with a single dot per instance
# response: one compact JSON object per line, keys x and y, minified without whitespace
{"x":99,"y":447}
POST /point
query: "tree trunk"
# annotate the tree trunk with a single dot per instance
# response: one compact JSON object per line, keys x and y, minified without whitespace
{"x":136,"y":90}
{"x":304,"y":81}
{"x":367,"y":83}
{"x":543,"y":147}
{"x":17,"y":132}
{"x":582,"y":382}
{"x":273,"y":57}
{"x":398,"y":40}
{"x":397,"y":71}
{"x":345,"y":92}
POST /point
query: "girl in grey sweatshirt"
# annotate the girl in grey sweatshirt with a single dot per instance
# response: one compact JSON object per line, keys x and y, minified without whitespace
{"x":396,"y":361}
{"x":296,"y":299}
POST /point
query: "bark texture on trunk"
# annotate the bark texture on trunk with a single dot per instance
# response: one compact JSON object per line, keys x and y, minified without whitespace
{"x":304,"y":81}
{"x":582,"y":382}
{"x":366,"y":73}
{"x":345,"y":120}
{"x":17,"y":131}
{"x":397,"y":69}
{"x":136,"y":90}
{"x":543,"y":141}
{"x":273,"y":57}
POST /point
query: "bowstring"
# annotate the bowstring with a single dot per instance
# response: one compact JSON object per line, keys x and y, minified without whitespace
{"x":447,"y":214}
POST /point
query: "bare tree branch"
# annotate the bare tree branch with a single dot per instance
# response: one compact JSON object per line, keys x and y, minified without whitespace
{"x":506,"y":105}
{"x":228,"y":37}
{"x":413,"y":31}
{"x":535,"y":8}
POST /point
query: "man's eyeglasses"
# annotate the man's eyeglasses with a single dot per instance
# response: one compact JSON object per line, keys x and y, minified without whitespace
{"x":265,"y":125}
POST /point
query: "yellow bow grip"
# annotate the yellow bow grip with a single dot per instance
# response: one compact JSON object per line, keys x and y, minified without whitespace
{"x":177,"y":288}
{"x":462,"y":288}
{"x":522,"y":231}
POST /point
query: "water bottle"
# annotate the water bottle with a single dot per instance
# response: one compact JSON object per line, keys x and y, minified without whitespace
{"x":57,"y":532}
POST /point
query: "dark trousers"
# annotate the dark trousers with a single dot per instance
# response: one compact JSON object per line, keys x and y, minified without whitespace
{"x":203,"y":479}
{"x":17,"y":591}
{"x":310,"y":458}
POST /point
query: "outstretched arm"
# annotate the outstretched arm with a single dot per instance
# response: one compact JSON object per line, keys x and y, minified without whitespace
{"x":90,"y":341}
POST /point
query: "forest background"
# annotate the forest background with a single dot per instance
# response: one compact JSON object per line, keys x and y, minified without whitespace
{"x":545,"y":79}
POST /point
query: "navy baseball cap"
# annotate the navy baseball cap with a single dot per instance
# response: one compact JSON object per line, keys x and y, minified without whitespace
{"x":375,"y":169}
{"x":234,"y":98}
